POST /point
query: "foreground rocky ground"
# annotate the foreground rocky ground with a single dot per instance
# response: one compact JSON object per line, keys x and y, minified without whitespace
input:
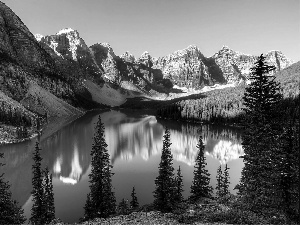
{"x":204,"y":212}
{"x":139,"y":218}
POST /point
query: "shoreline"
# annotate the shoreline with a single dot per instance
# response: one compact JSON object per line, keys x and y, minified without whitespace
{"x":55,"y":124}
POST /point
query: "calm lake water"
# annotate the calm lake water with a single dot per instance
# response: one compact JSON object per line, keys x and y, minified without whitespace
{"x":134,"y":143}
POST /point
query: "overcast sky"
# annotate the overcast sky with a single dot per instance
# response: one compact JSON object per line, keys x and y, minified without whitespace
{"x":164,"y":26}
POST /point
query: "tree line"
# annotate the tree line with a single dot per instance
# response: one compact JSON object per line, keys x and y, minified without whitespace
{"x":21,"y":121}
{"x":13,"y":116}
{"x":218,"y":106}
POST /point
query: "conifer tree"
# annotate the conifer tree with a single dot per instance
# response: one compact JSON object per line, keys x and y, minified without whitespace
{"x":38,"y":207}
{"x":48,"y":197}
{"x":10,"y":212}
{"x":288,"y":171}
{"x":88,"y":209}
{"x":134,"y":204}
{"x":123,"y":207}
{"x":178,"y":197}
{"x":200,"y":187}
{"x":259,"y":138}
{"x":263,"y":92}
{"x":164,"y":191}
{"x":226,"y":181}
{"x":101,"y":201}
{"x":219,"y":187}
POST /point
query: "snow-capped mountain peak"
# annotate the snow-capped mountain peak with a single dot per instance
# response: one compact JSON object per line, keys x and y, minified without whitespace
{"x":65,"y":30}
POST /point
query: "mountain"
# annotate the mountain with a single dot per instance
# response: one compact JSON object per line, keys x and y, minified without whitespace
{"x":187,"y":68}
{"x":46,"y":87}
{"x":67,"y":46}
{"x":235,"y":66}
{"x":289,"y":79}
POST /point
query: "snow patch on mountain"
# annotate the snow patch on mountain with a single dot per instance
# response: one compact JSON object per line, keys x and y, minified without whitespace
{"x":64,"y":31}
{"x":54,"y":45}
{"x":38,"y":37}
{"x":74,"y":41}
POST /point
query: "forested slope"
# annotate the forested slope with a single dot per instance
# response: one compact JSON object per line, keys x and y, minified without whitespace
{"x":226,"y":105}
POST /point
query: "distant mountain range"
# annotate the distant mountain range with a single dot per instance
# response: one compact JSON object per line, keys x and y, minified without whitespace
{"x":185,"y":68}
{"x":54,"y":76}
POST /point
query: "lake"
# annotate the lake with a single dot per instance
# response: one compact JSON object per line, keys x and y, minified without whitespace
{"x":134,"y":143}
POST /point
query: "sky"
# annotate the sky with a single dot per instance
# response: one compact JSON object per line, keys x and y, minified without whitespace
{"x":164,"y":26}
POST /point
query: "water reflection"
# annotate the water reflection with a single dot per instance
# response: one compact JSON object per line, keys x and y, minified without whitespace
{"x":134,"y":143}
{"x":127,"y":138}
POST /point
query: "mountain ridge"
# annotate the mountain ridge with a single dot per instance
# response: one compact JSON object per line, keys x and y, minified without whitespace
{"x":186,"y":68}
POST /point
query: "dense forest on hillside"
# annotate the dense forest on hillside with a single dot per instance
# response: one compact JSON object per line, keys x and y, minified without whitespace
{"x":226,"y":105}
{"x":15,"y":80}
{"x":218,"y":106}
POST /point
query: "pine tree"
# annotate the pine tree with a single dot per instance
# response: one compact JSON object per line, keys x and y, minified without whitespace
{"x":200,"y":187}
{"x":48,"y":196}
{"x":178,"y":197}
{"x":263,"y":92}
{"x":101,"y":201}
{"x":134,"y":204}
{"x":219,"y":187}
{"x":38,"y":207}
{"x":256,"y":187}
{"x":164,"y":191}
{"x":88,"y":209}
{"x":123,"y":207}
{"x":288,"y":171}
{"x":226,"y":182}
{"x":10,"y":212}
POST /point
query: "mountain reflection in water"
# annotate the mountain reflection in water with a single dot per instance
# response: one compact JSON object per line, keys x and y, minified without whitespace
{"x":130,"y":137}
{"x":134,"y":144}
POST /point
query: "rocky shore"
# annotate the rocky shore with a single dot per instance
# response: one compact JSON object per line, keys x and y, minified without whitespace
{"x":138,"y":218}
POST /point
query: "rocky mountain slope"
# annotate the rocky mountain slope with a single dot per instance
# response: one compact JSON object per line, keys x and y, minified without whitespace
{"x":289,"y":79}
{"x":187,"y":68}
{"x":31,"y":77}
{"x":235,"y":66}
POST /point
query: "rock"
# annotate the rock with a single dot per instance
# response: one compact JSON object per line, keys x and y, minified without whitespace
{"x":189,"y":68}
{"x":70,"y":49}
{"x":19,"y":44}
{"x":236,"y":66}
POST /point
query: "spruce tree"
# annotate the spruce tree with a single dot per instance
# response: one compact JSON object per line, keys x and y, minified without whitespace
{"x":88,"y":209}
{"x":288,"y":172}
{"x":38,"y":207}
{"x":178,"y":197}
{"x":101,"y":201}
{"x":226,"y":182}
{"x":123,"y":207}
{"x":263,"y":92}
{"x":10,"y":212}
{"x":200,"y":187}
{"x":261,"y":130}
{"x":164,"y":191}
{"x":48,"y":197}
{"x":219,"y":187}
{"x":134,"y":204}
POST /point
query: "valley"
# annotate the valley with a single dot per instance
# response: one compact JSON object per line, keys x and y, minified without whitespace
{"x":104,"y":123}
